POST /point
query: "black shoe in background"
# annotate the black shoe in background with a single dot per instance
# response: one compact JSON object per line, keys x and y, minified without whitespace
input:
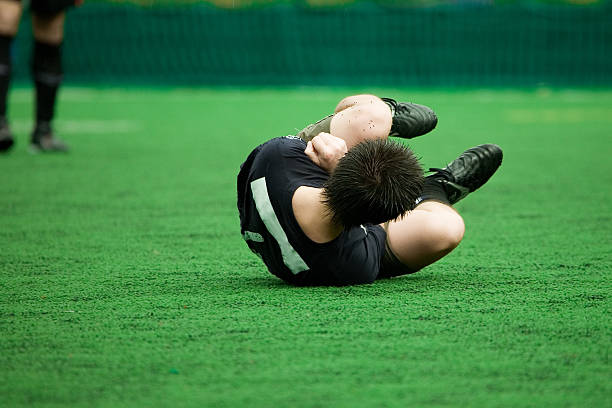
{"x":44,"y":140}
{"x":6,"y":137}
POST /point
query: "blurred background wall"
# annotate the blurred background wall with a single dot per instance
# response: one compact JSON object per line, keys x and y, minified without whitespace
{"x":335,"y":42}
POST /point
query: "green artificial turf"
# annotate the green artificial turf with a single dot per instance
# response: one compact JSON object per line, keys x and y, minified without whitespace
{"x":124,"y":280}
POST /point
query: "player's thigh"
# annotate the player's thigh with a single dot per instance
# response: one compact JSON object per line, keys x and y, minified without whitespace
{"x":10,"y":14}
{"x":391,"y":266}
{"x":49,"y":28}
{"x":425,"y":234}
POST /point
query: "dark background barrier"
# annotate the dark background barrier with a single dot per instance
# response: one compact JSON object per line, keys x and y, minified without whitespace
{"x":362,"y":43}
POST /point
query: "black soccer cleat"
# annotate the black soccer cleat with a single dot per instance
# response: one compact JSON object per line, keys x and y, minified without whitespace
{"x":43,"y":140}
{"x":6,"y":137}
{"x":469,"y":171}
{"x":410,"y":119}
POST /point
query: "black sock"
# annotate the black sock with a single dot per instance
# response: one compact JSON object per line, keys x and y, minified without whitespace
{"x":433,"y":191}
{"x":47,"y":73}
{"x":5,"y":70}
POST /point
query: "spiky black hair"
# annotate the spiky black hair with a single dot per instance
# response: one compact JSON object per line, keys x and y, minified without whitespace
{"x":376,"y":181}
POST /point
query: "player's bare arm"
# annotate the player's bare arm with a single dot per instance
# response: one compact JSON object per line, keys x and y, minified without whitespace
{"x":309,"y":209}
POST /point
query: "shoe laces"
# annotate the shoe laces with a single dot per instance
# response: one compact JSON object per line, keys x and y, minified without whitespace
{"x":402,"y":108}
{"x":392,"y":104}
{"x":442,"y":173}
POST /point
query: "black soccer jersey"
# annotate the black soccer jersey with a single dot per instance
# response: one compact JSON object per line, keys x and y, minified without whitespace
{"x":266,"y":184}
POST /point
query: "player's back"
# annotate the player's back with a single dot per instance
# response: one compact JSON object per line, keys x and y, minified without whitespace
{"x":266,"y":184}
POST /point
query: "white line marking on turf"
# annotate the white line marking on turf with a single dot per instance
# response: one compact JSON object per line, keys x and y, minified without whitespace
{"x":560,"y":115}
{"x":83,"y":126}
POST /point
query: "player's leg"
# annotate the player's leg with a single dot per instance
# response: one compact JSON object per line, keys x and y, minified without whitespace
{"x":355,"y":119}
{"x":10,"y":14}
{"x":426,"y":234}
{"x":434,"y":228}
{"x":48,"y":30}
{"x":365,"y":119}
{"x":409,"y":120}
{"x":314,"y":129}
{"x":324,"y":125}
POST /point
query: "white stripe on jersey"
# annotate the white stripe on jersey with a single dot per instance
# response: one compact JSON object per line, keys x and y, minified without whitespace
{"x":291,"y":258}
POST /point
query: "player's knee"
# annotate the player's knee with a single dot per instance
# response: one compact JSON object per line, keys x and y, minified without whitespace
{"x":444,"y":233}
{"x":353,"y":100}
{"x":49,"y":28}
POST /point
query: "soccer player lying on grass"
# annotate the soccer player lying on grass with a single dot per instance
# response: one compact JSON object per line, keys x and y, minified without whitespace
{"x":342,"y":204}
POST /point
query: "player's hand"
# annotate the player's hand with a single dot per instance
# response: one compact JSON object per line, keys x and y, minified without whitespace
{"x":326,"y":150}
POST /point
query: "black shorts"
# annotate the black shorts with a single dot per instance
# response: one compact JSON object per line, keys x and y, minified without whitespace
{"x":49,"y":7}
{"x":391,"y":266}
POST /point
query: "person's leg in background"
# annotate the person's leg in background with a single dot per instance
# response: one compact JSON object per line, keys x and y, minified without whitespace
{"x":48,"y":31}
{"x":10,"y":14}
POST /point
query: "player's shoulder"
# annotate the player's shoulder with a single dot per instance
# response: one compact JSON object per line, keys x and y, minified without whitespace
{"x":291,"y":138}
{"x":289,"y":142}
{"x":277,"y":157}
{"x":293,"y":145}
{"x":285,"y":146}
